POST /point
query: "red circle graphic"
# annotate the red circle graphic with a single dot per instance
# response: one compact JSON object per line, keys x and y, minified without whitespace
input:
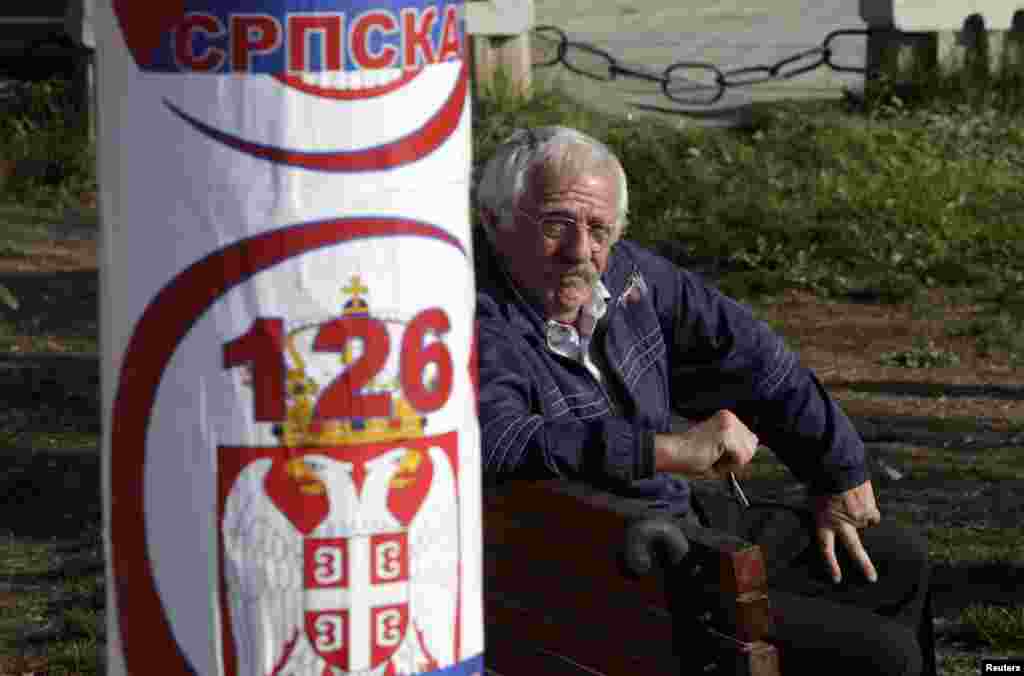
{"x":410,"y":148}
{"x":146,"y":636}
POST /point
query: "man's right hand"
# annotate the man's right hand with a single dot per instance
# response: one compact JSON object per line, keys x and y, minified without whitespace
{"x":712,"y":448}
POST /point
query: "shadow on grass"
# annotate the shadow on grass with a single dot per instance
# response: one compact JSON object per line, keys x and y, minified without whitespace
{"x":60,"y":304}
{"x":956,"y":586}
{"x":910,"y":389}
{"x":938,"y":432}
{"x":49,"y":494}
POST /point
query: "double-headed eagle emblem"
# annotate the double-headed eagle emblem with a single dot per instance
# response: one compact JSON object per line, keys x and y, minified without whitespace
{"x":340,"y":545}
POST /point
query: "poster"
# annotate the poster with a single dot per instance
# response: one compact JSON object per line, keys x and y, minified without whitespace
{"x":290,"y":454}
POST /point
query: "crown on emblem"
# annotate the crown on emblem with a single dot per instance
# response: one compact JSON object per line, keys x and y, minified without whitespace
{"x":299,"y":429}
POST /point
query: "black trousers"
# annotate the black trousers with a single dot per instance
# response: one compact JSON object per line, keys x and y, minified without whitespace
{"x":855,"y":626}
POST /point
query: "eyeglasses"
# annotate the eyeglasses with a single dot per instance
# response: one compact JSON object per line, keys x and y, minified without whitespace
{"x":555,"y":227}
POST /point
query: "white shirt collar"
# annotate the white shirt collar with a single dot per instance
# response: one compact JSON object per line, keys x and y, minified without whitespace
{"x":564,"y":338}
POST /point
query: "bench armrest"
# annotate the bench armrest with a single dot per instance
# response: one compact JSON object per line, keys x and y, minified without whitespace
{"x":581,"y":575}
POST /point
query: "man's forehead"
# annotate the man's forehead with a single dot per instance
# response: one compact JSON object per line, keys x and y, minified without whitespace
{"x":547,"y":184}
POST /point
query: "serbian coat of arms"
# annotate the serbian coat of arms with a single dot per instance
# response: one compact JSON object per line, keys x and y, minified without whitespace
{"x":339,"y":546}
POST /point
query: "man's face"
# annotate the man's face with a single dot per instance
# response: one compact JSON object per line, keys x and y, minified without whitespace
{"x":564,"y":230}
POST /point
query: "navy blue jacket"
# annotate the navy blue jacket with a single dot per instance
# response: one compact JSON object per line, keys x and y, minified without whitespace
{"x":674,"y":345}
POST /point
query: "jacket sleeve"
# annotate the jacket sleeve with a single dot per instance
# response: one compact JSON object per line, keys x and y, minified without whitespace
{"x":518,"y":441}
{"x":724,"y":358}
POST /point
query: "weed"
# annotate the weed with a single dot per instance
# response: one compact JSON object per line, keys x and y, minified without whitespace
{"x":41,"y":130}
{"x":999,"y":331}
{"x":82,"y":622}
{"x":8,"y":298}
{"x":924,"y":355}
{"x":73,"y":658}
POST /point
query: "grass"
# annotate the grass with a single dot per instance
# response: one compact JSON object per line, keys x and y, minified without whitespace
{"x":932,"y":464}
{"x":991,"y":464}
{"x":22,"y":559}
{"x":39,"y":131}
{"x":27,"y":562}
{"x":49,"y":439}
{"x":14,"y":338}
{"x":992,"y":547}
{"x":55,"y":313}
{"x":999,"y":329}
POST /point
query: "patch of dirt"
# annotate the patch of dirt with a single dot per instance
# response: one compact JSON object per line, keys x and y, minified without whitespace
{"x":53,"y":256}
{"x":842,"y":342}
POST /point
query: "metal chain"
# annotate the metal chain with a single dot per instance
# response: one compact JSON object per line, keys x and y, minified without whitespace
{"x":680,"y":80}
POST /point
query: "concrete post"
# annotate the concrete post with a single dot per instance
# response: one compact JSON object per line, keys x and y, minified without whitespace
{"x":499,"y":42}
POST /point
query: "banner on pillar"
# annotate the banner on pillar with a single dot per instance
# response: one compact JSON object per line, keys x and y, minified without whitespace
{"x":291,"y":464}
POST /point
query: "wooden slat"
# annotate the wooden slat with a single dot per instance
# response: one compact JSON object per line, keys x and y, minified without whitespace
{"x":10,"y":9}
{"x":612,"y":643}
{"x":17,"y":37}
{"x":583,"y":537}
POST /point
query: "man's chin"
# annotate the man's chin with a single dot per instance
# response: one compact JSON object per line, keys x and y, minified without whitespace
{"x":569,"y":298}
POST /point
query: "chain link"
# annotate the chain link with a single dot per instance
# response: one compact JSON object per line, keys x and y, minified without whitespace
{"x":689,"y":82}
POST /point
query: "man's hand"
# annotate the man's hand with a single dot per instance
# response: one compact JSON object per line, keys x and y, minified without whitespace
{"x":842,"y":515}
{"x":714,"y":447}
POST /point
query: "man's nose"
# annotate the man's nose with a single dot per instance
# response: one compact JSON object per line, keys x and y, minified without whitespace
{"x":576,"y":245}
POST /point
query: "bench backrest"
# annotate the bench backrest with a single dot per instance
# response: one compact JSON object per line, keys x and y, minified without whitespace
{"x":22,"y":23}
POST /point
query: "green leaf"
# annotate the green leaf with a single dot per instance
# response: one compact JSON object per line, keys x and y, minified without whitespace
{"x":8,"y":298}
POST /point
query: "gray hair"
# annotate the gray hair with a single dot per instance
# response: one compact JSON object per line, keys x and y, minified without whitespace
{"x":503,"y":181}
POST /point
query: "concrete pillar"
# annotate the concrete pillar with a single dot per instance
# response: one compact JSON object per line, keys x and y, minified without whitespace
{"x":498,"y":58}
{"x":499,"y":43}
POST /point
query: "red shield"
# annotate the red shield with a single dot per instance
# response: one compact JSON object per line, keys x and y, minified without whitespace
{"x":356,"y":596}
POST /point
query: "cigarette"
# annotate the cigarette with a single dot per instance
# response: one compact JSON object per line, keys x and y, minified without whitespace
{"x":737,"y":491}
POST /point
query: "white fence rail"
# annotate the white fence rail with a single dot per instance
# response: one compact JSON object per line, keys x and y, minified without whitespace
{"x":937,"y":15}
{"x":982,"y":35}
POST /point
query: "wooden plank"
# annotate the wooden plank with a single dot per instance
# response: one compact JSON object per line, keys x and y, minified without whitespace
{"x":742,"y":571}
{"x":583,"y":536}
{"x":19,"y":36}
{"x":605,"y":643}
{"x":45,"y":9}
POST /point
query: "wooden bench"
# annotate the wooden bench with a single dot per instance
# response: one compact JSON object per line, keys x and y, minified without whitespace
{"x":33,"y":43}
{"x":580,"y":581}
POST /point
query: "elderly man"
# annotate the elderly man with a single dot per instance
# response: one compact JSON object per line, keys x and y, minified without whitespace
{"x":588,"y":344}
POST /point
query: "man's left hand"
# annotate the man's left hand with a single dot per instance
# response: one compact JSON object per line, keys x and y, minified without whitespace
{"x":840,"y":516}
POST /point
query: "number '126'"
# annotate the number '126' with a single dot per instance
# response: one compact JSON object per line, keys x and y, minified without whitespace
{"x":261,"y":347}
